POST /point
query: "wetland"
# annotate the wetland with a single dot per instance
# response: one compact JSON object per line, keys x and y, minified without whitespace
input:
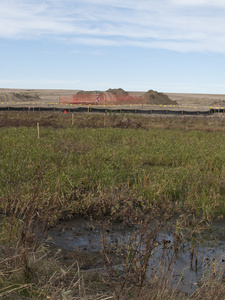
{"x":116,"y":208}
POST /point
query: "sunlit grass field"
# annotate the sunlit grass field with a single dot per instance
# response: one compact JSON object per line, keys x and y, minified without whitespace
{"x":113,"y":168}
{"x":99,"y":172}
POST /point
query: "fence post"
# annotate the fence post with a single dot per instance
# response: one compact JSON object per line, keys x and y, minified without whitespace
{"x":38,"y":130}
{"x":72,"y":118}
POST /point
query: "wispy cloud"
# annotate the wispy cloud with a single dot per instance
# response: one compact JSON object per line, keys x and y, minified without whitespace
{"x":214,"y":3}
{"x":184,"y":25}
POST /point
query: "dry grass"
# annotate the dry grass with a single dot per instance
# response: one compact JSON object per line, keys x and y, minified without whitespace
{"x":94,"y":168}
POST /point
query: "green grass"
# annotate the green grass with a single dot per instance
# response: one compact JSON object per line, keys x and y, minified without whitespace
{"x":128,"y":169}
{"x":109,"y":171}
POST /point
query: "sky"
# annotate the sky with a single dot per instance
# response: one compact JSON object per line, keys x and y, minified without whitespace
{"x":165,"y":45}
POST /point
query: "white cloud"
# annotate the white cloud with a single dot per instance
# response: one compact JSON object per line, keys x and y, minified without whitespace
{"x":95,"y":41}
{"x":166,"y":24}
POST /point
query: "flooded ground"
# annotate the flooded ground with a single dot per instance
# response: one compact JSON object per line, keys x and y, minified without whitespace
{"x":187,"y":264}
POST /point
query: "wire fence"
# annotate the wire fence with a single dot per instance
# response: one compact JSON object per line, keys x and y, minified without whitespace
{"x":90,"y":109}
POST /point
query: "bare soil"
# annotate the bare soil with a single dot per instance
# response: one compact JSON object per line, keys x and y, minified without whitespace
{"x":52,"y":96}
{"x":111,"y":96}
{"x":153,"y":97}
{"x":198,"y":99}
{"x":44,"y":95}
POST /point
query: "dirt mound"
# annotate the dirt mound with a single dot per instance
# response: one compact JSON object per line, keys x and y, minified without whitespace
{"x":119,"y":96}
{"x":87,"y":97}
{"x":80,"y":93}
{"x":153,"y":97}
{"x":19,"y":97}
{"x":111,"y":96}
{"x":117,"y":92}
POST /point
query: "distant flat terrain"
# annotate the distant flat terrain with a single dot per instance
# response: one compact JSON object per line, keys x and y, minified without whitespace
{"x":198,"y":99}
{"x":51,"y":96}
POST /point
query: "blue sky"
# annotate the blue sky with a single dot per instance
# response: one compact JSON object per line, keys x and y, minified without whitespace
{"x":164,"y":45}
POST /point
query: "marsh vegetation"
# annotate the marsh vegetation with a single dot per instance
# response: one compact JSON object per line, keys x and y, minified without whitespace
{"x":119,"y":169}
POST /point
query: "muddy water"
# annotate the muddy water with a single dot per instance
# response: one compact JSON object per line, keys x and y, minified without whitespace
{"x":186,"y":267}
